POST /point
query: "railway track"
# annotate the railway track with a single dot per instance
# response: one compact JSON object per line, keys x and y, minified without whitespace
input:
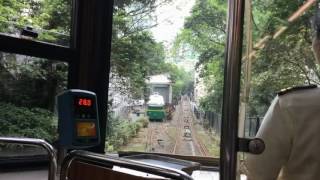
{"x":202,"y":148}
{"x":188,"y":120}
{"x":183,"y":139}
{"x":178,"y":131}
{"x":149,"y":138}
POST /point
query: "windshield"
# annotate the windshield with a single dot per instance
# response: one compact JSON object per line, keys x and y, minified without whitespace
{"x":167,"y":71}
{"x":166,"y":80}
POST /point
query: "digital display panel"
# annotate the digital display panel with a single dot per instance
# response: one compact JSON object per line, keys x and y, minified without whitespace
{"x":84,"y":102}
{"x":86,"y":129}
{"x":84,"y":107}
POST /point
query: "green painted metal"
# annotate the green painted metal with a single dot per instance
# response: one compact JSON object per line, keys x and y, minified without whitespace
{"x":156,"y":113}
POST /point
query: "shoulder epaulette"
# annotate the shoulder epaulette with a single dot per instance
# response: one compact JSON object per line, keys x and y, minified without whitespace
{"x":291,"y":89}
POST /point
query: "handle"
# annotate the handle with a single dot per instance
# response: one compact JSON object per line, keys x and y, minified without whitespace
{"x":38,"y":142}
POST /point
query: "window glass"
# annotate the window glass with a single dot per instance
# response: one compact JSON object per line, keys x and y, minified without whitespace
{"x":28,"y":87}
{"x":43,"y":20}
{"x":166,"y":80}
{"x":277,"y":55}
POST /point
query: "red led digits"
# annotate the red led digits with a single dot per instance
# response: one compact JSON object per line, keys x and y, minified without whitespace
{"x":89,"y":102}
{"x":84,"y":102}
{"x":80,"y":102}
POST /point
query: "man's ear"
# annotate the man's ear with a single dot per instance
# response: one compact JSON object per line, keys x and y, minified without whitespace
{"x":316,"y":49}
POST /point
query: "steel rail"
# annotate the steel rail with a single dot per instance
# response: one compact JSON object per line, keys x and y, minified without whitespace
{"x":178,"y":131}
{"x":201,"y":146}
{"x":37,"y":142}
{"x":100,"y":160}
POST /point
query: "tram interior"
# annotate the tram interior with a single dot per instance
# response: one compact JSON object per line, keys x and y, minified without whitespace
{"x":134,"y":89}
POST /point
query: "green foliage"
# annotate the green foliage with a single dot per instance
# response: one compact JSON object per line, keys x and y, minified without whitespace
{"x":284,"y":62}
{"x":32,"y":84}
{"x":28,"y":81}
{"x":121,"y":131}
{"x":51,"y":18}
{"x":204,"y":31}
{"x":135,"y":55}
{"x":183,"y":82}
{"x":134,"y":58}
{"x":28,"y":85}
{"x":23,"y":122}
{"x":213,"y":78}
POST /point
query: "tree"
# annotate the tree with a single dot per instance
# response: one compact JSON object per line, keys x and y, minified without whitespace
{"x":205,"y":32}
{"x":30,"y":81}
{"x":283,"y":59}
{"x":284,"y":62}
{"x":135,"y":55}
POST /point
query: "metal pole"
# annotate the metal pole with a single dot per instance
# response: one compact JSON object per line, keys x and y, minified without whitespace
{"x":230,"y":110}
{"x":38,"y":142}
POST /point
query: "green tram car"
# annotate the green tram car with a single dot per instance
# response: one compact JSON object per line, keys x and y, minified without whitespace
{"x":156,"y":108}
{"x":156,"y":113}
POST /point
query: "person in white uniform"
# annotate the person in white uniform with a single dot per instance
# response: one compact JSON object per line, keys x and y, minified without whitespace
{"x":291,"y":133}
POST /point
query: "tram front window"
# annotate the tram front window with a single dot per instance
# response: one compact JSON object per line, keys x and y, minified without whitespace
{"x":165,"y":85}
{"x":43,"y":20}
{"x":28,"y":87}
{"x":278,"y":69}
{"x":166,"y":78}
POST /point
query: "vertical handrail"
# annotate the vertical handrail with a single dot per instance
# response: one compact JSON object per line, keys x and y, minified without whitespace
{"x":38,"y":142}
{"x":230,"y":110}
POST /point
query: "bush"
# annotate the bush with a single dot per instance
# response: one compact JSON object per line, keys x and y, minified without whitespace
{"x":121,"y":131}
{"x":25,"y":122}
{"x":144,"y":122}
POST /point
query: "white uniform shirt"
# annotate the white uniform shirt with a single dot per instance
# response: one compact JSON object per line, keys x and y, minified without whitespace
{"x":291,"y":132}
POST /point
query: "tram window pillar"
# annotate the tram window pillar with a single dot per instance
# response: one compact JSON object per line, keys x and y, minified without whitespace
{"x":91,"y":40}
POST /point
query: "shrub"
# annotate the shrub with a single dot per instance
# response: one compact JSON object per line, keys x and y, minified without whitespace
{"x":25,"y":122}
{"x":121,"y":131}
